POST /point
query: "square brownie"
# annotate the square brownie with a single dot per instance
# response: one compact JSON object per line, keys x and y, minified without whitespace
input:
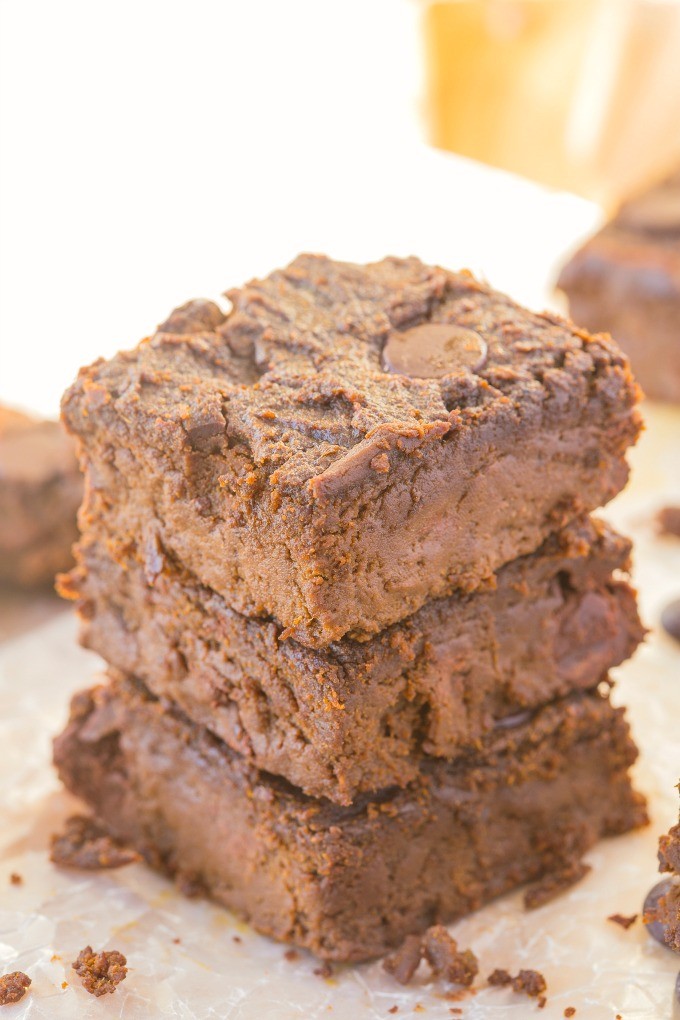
{"x":361,"y":716}
{"x":350,"y":442}
{"x":350,"y":882}
{"x":626,"y":280}
{"x":40,"y":491}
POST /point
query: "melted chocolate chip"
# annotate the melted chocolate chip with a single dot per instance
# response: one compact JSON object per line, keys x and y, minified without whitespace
{"x":670,"y":619}
{"x":433,"y":350}
{"x":657,"y":212}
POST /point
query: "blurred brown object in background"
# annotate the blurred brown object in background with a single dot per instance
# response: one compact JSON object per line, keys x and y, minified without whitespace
{"x":626,"y":281}
{"x":40,"y":492}
{"x":582,"y":95}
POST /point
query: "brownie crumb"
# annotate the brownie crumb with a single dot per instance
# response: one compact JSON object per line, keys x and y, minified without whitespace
{"x":291,"y":955}
{"x":237,"y":939}
{"x":455,"y":1011}
{"x":500,"y":978}
{"x":403,"y":963}
{"x":460,"y":967}
{"x":668,"y":520}
{"x":176,"y":941}
{"x":324,"y":971}
{"x":440,"y":950}
{"x":100,"y":973}
{"x":552,"y":885}
{"x":622,"y":920}
{"x":84,"y":844}
{"x":569,"y":1011}
{"x":541,"y":1002}
{"x":393,"y":1009}
{"x":16,"y":879}
{"x":531,"y":982}
{"x":13,"y":987}
{"x":669,"y":851}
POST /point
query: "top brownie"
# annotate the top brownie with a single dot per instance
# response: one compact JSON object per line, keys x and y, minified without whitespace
{"x":351,"y":441}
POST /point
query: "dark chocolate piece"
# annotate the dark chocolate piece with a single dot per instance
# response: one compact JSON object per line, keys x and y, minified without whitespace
{"x":661,"y":913}
{"x":434,"y":350}
{"x":670,"y":619}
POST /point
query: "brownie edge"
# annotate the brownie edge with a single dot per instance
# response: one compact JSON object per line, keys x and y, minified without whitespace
{"x":361,"y":716}
{"x":282,"y":461}
{"x":349,"y":883}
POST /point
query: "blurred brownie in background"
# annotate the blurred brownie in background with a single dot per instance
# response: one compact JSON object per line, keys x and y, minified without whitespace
{"x":40,"y":492}
{"x":626,"y":281}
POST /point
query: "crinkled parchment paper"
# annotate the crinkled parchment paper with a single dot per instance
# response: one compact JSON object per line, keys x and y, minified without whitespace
{"x":220,"y":968}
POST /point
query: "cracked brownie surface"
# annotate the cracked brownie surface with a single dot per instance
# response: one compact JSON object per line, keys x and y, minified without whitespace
{"x":281,"y":455}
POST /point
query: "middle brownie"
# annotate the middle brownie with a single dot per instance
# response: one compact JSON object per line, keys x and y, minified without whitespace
{"x":359,"y":716}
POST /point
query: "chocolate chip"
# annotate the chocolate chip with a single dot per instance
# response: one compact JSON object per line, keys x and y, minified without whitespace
{"x":652,"y":909}
{"x":433,"y":350}
{"x":670,"y":619}
{"x":658,"y":212}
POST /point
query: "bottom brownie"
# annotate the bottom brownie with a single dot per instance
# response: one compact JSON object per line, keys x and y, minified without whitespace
{"x":350,"y":882}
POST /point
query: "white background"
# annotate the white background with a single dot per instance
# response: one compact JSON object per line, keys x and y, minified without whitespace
{"x":155,"y":151}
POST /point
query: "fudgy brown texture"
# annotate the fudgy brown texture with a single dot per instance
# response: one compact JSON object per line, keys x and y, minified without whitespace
{"x":349,"y":883}
{"x":273,"y":454}
{"x":626,"y":280}
{"x":40,"y":491}
{"x":669,"y":907}
{"x":359,"y":716}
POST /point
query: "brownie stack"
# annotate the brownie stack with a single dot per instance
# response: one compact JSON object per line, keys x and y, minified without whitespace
{"x":336,"y":550}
